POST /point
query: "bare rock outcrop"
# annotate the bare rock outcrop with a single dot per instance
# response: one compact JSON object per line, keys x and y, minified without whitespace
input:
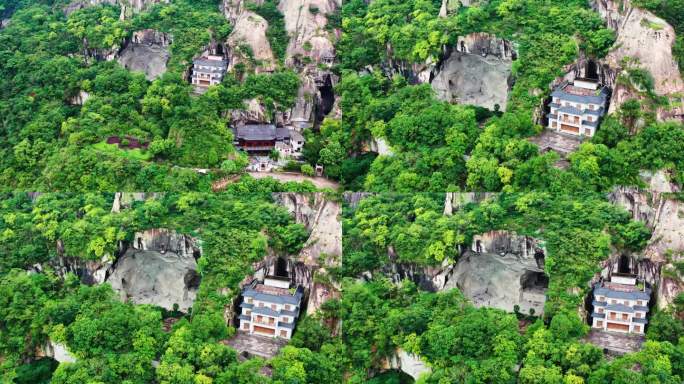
{"x":647,"y":38}
{"x":147,"y":52}
{"x":493,"y":280}
{"x":57,"y":351}
{"x":305,"y":22}
{"x":477,"y":71}
{"x":152,"y":277}
{"x":408,"y":363}
{"x":247,"y":43}
{"x":128,"y":7}
{"x":322,"y":218}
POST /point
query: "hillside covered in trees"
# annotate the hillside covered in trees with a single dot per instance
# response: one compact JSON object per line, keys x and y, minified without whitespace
{"x":161,"y":163}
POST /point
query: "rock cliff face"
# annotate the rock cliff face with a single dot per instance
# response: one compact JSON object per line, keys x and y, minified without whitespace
{"x":56,"y":351}
{"x":147,"y":52}
{"x":310,"y":52}
{"x":477,"y":71}
{"x":89,"y":271}
{"x":322,"y":250}
{"x":664,"y":214}
{"x":165,"y":240}
{"x":647,"y":38}
{"x":128,"y":7}
{"x":247,"y":43}
{"x":305,"y":22}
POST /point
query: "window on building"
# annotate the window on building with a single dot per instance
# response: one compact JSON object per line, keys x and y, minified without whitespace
{"x":638,"y":315}
{"x":248,"y":312}
{"x":625,"y":316}
{"x":259,"y":318}
{"x":273,"y":307}
{"x":245,"y":326}
{"x":613,"y":301}
{"x":283,"y":333}
{"x":640,"y":303}
{"x":626,"y":302}
{"x":637,"y":328}
{"x":249,"y":300}
{"x":590,"y":118}
{"x":600,"y":310}
{"x":599,"y":323}
{"x":261,"y":304}
{"x":287,"y":307}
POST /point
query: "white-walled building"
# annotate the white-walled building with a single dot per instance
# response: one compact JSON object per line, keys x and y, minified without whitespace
{"x":577,"y":108}
{"x":208,"y":71}
{"x":270,"y":308}
{"x":620,"y":305}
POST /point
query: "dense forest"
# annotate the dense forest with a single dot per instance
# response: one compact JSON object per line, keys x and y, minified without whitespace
{"x":432,"y":176}
{"x":117,"y":342}
{"x":437,"y":146}
{"x":49,"y":143}
{"x":465,"y":344}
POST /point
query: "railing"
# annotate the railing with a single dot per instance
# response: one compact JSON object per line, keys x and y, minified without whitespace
{"x":271,"y":322}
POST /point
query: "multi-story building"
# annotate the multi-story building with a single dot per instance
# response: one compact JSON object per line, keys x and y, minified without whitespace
{"x":270,"y":308}
{"x":207,"y":71}
{"x":577,"y":108}
{"x":620,"y":305}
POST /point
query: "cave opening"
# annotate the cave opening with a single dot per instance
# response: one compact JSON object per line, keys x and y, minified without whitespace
{"x":625,"y":265}
{"x":281,"y":267}
{"x":592,"y":70}
{"x":539,"y":257}
{"x":192,"y":279}
{"x":534,"y":281}
{"x":327,"y":100}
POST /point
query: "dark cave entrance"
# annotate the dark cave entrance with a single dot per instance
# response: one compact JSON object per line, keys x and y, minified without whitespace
{"x":592,"y":70}
{"x":534,"y":281}
{"x":539,"y":257}
{"x":625,"y":265}
{"x":325,"y":105}
{"x":281,"y":267}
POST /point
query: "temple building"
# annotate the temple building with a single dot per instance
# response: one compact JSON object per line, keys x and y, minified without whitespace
{"x":577,"y":108}
{"x":620,"y":305}
{"x":270,"y":308}
{"x":263,"y":138}
{"x":208,"y":71}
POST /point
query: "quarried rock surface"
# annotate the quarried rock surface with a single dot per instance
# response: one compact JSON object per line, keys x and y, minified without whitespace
{"x":151,"y":277}
{"x":477,"y":71}
{"x":147,"y":52}
{"x":165,"y":240}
